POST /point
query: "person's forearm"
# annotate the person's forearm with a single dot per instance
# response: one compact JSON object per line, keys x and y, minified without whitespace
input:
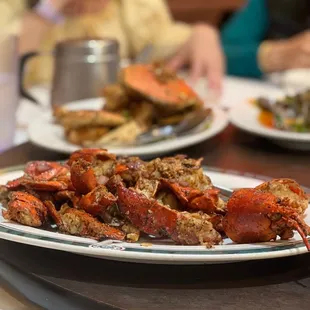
{"x":272,"y":56}
{"x":269,"y":56}
{"x":33,"y":30}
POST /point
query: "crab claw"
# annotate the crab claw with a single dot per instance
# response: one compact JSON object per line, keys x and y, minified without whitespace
{"x":288,"y":190}
{"x":155,"y":219}
{"x":14,"y":184}
{"x":255,"y":216}
{"x":90,"y":168}
{"x":47,"y":186}
{"x":45,"y":171}
{"x":25,"y":209}
{"x":207,"y":200}
{"x":79,"y":223}
{"x":83,"y":176}
{"x":43,"y":176}
{"x":97,"y":201}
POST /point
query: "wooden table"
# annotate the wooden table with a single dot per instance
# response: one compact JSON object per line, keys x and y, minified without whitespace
{"x":54,"y":279}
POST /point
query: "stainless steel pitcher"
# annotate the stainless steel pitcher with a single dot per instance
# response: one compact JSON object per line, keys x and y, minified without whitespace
{"x":82,"y":67}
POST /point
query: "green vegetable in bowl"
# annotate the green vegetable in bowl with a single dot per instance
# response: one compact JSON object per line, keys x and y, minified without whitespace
{"x":292,"y":113}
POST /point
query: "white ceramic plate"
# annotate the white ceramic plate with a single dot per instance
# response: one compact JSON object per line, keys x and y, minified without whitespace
{"x":245,"y":117}
{"x":236,"y":90}
{"x":164,"y":252}
{"x":45,"y":133}
{"x":294,"y":80}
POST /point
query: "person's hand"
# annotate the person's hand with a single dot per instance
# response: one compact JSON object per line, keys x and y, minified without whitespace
{"x":204,"y":55}
{"x":81,"y":7}
{"x":279,"y":55}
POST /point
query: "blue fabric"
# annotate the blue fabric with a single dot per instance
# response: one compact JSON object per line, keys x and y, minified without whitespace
{"x":241,"y":36}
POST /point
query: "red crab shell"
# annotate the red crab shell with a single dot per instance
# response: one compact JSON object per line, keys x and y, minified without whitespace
{"x":160,"y":86}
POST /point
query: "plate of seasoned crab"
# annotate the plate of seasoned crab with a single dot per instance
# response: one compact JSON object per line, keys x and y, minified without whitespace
{"x":149,"y":111}
{"x":169,"y":210}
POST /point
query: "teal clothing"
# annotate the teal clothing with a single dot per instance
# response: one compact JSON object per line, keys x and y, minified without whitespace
{"x":241,"y":36}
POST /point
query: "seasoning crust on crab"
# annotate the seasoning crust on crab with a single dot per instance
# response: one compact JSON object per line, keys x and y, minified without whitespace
{"x":94,"y":194}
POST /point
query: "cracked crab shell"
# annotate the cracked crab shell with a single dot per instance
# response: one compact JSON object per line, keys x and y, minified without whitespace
{"x":173,"y":94}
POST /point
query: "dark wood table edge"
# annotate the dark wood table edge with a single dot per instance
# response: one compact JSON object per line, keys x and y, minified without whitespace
{"x":42,"y":293}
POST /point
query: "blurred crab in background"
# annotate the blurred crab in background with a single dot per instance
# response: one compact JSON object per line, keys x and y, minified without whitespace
{"x":144,"y":96}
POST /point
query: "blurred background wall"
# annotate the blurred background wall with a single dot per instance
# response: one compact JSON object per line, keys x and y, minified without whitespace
{"x":212,"y":11}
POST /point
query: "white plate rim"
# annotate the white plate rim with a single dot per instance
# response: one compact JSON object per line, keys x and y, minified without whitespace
{"x":237,"y":116}
{"x":219,"y":123}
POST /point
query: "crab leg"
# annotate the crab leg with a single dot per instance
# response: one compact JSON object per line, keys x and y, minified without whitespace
{"x":256,"y":216}
{"x":207,"y":200}
{"x":25,"y":209}
{"x":158,"y":220}
{"x":300,"y":229}
{"x":79,"y":223}
{"x":97,"y":201}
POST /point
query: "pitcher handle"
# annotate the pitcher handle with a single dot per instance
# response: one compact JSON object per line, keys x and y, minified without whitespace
{"x":22,"y":65}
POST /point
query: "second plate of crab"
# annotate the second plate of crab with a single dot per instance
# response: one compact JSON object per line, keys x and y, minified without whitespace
{"x":146,"y":98}
{"x":167,"y":210}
